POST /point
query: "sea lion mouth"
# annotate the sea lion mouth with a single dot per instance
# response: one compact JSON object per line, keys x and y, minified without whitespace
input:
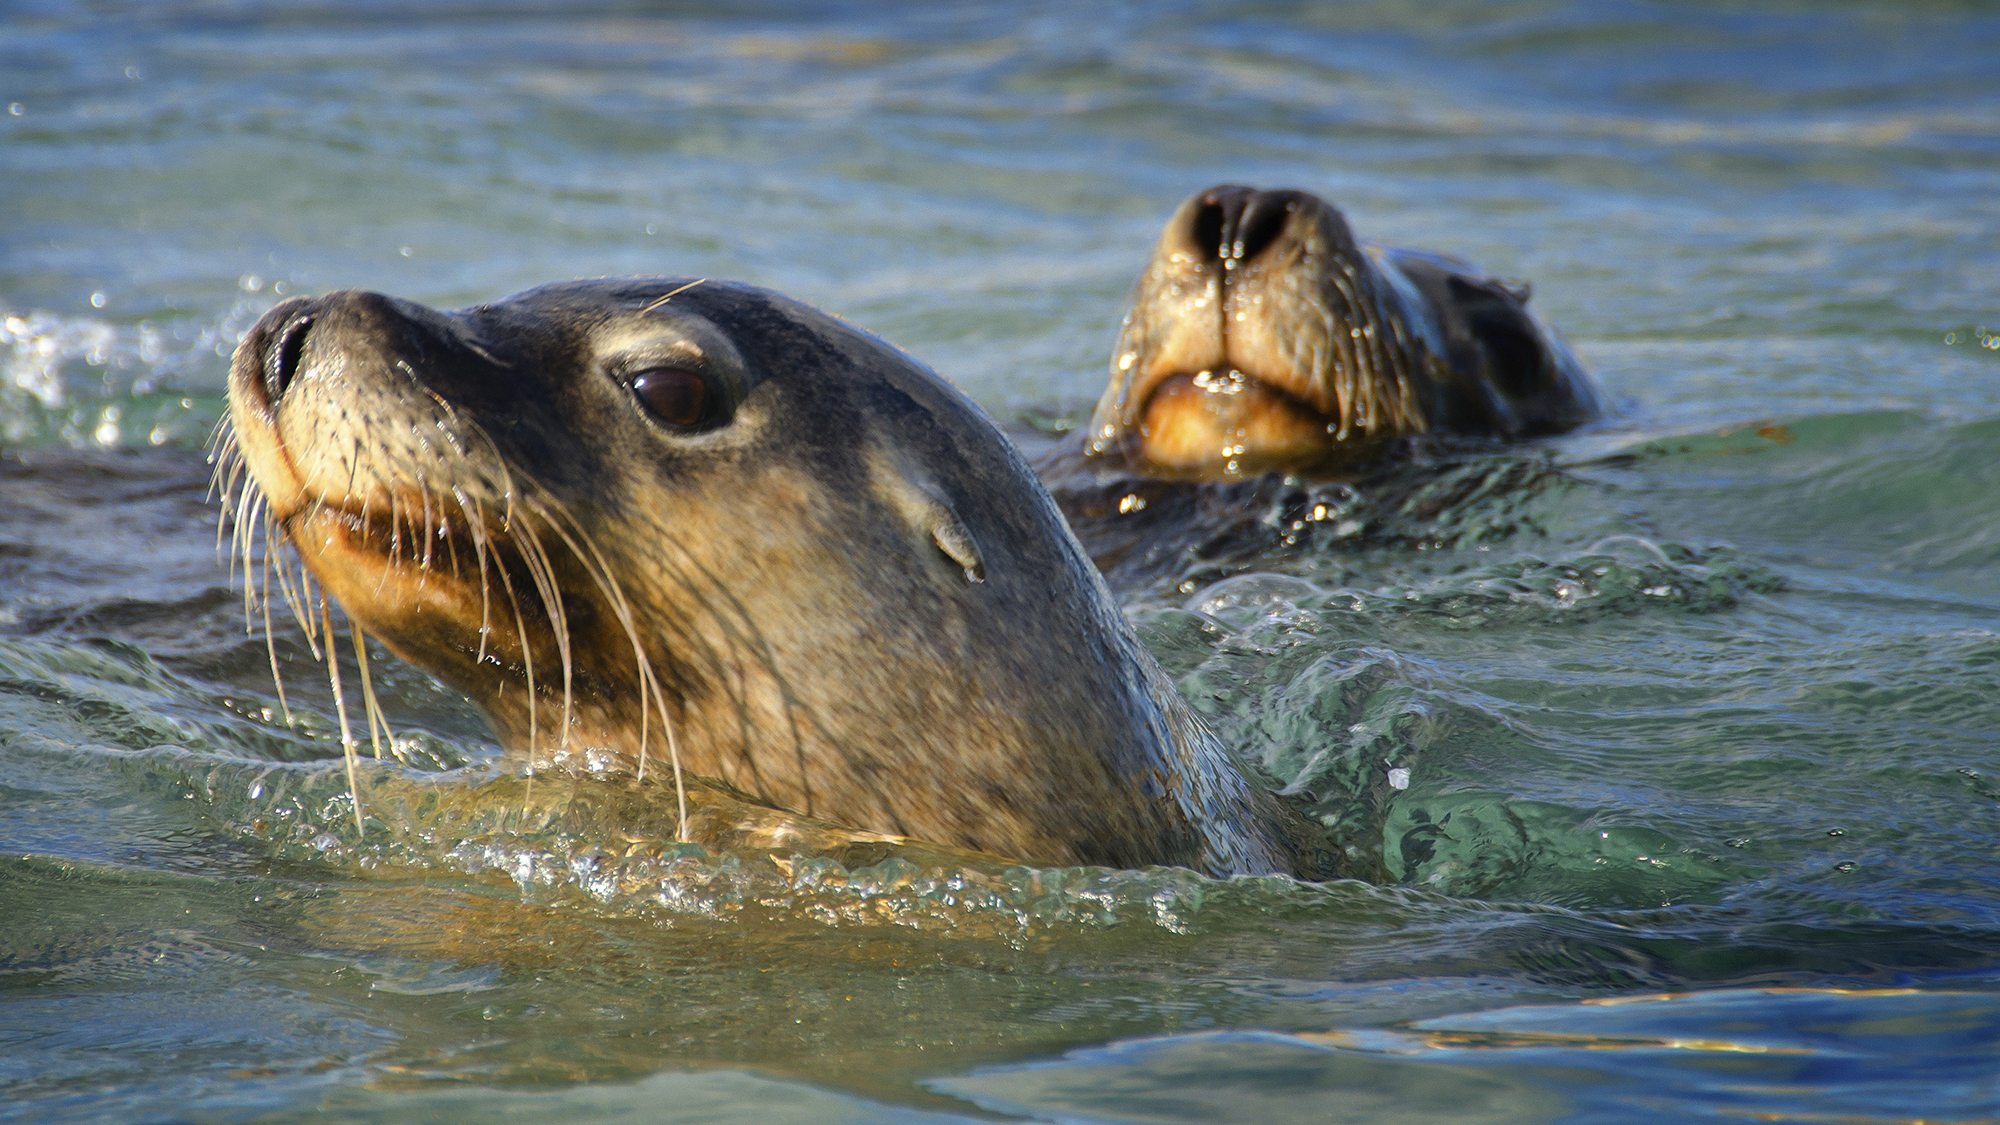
{"x":1193,"y":421}
{"x":1261,"y":334}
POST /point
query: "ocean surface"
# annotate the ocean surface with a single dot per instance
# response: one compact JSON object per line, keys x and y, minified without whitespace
{"x":1668,"y":752}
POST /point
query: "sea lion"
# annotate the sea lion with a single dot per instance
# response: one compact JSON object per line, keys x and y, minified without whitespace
{"x":646,"y":519}
{"x":1263,"y":336}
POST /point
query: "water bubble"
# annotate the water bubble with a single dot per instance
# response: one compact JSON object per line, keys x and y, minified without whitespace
{"x":98,"y":299}
{"x":405,"y":251}
{"x":1634,"y":550}
{"x":14,"y":108}
{"x":1255,"y":592}
{"x":132,"y":72}
{"x":250,"y":283}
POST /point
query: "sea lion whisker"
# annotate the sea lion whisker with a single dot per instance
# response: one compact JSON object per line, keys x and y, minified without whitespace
{"x":424,"y":566}
{"x":1347,"y":371}
{"x":241,"y":544}
{"x":1343,"y":326}
{"x":307,"y":619}
{"x":270,"y":635}
{"x":224,"y":456}
{"x":256,"y":585}
{"x":475,"y":522}
{"x":273,"y":533}
{"x":535,"y":557}
{"x":672,"y":295}
{"x":439,"y":519}
{"x":652,"y":682}
{"x":1382,"y":412}
{"x":527,"y":657}
{"x":399,"y":515}
{"x":229,"y":515}
{"x":374,"y":709}
{"x":340,"y":708}
{"x":221,"y":435}
{"x":450,"y":540}
{"x":223,"y":483}
{"x":354,"y":465}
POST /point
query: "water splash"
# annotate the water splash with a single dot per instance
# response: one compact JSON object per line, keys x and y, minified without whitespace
{"x":90,"y":381}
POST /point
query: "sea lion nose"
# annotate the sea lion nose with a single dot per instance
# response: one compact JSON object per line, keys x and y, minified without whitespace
{"x":1233,"y":224}
{"x":297,"y":337}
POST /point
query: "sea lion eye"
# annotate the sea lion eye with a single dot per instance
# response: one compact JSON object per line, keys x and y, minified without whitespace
{"x":674,"y":395}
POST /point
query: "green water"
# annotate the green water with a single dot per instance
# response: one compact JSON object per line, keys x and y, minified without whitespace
{"x":1668,"y":754}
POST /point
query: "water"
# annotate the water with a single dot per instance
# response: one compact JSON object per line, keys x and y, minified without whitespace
{"x":1667,"y":752}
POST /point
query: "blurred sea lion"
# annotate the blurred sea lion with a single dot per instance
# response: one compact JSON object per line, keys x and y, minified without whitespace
{"x":1262,"y":336}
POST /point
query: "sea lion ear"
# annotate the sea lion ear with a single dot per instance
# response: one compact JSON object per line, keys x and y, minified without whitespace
{"x":956,"y":542}
{"x":920,"y":501}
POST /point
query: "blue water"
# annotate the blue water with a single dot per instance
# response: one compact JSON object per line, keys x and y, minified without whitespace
{"x":1668,"y":753}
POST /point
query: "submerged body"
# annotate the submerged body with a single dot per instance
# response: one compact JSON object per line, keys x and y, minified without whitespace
{"x":1262,"y":336}
{"x":646,"y":520}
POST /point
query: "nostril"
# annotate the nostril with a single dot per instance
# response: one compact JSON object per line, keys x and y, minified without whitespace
{"x":1215,"y":220}
{"x":1209,"y":222}
{"x":281,"y":362}
{"x":1263,"y":220}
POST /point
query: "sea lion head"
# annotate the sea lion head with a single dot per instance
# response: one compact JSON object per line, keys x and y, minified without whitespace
{"x":1262,"y":335}
{"x":639,"y":517}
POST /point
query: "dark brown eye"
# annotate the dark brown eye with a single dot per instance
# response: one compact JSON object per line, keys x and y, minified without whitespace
{"x":673,"y":395}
